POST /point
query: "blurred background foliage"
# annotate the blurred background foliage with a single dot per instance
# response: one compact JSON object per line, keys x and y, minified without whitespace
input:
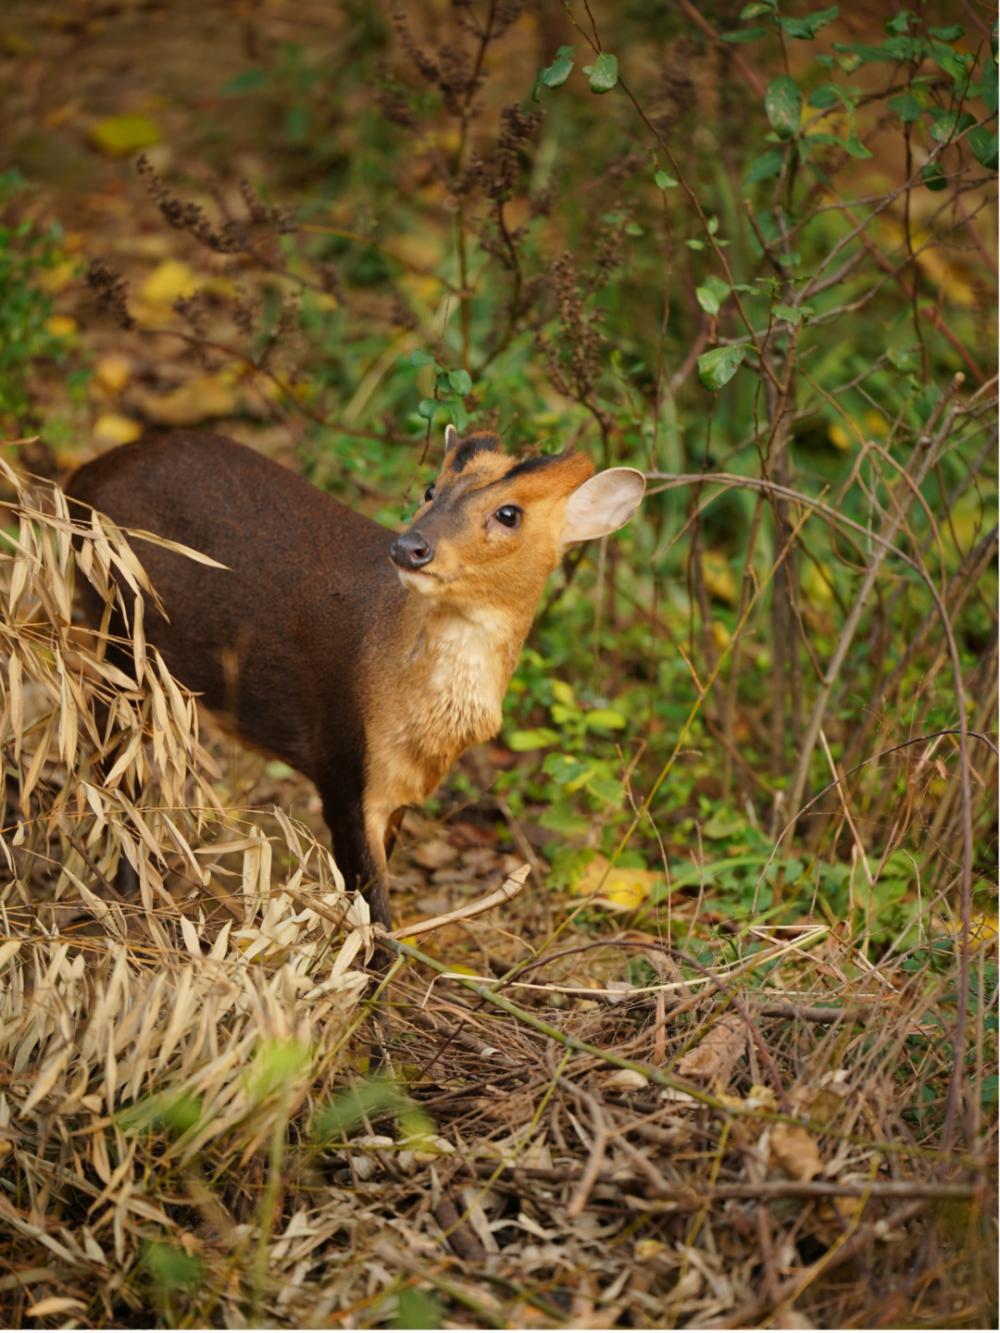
{"x":754,"y":240}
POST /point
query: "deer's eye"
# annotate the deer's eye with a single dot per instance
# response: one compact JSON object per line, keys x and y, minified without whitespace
{"x":509,"y":516}
{"x":429,"y":493}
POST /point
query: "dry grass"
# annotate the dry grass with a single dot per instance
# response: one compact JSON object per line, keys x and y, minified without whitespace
{"x":189,"y":1137}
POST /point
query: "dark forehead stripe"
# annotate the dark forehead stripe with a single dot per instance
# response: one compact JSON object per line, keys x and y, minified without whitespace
{"x":531,"y":465}
{"x":475,"y":444}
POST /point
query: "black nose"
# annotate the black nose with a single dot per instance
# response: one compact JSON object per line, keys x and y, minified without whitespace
{"x":411,"y":550}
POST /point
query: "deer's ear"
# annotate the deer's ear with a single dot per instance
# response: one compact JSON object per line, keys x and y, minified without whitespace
{"x":450,"y":438}
{"x":603,"y":504}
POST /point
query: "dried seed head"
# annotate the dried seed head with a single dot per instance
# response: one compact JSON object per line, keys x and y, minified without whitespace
{"x":111,"y":291}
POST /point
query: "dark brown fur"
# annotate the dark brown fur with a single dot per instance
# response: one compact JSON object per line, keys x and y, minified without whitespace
{"x":305,"y":575}
{"x":368,"y":678}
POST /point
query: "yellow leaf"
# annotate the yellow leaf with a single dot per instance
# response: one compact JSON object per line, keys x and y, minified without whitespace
{"x":110,"y":428}
{"x":719,"y":580}
{"x":648,"y":1249}
{"x":61,"y":326}
{"x":113,"y":372}
{"x":57,"y":279}
{"x":13,"y":44}
{"x":876,"y":423}
{"x":816,"y":587}
{"x":207,"y":396}
{"x":168,"y":281}
{"x":624,"y":889}
{"x":120,"y":135}
{"x":837,"y":436}
{"x":720,"y":635}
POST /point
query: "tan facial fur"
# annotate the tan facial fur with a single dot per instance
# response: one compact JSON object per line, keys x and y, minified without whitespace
{"x":479,"y":563}
{"x":440,"y":686}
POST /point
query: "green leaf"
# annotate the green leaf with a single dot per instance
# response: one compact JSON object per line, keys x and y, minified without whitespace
{"x":988,"y":1093}
{"x":787,"y":312}
{"x":533,"y":740}
{"x":955,"y":63}
{"x":826,"y":95}
{"x":712,"y":294}
{"x":807,"y":28}
{"x":906,"y":107}
{"x":720,"y":288}
{"x":758,"y":7}
{"x":664,"y":181}
{"x":746,"y":35}
{"x":296,"y":122}
{"x":858,"y":53}
{"x":608,"y":790}
{"x":695,"y":244}
{"x":989,"y":89}
{"x":418,"y":1309}
{"x":905,"y":48}
{"x":984,"y":147}
{"x":170,"y":1267}
{"x":899,"y":359}
{"x":783,"y":104}
{"x":244,"y":83}
{"x":427,"y":407}
{"x":950,"y":34}
{"x":581,"y":779}
{"x":459,"y":416}
{"x":603,"y":75}
{"x":562,"y":692}
{"x":717,"y":367}
{"x":766,"y":166}
{"x":723,"y":825}
{"x":557,"y":73}
{"x":854,"y":145}
{"x":946,"y":124}
{"x":422,"y":359}
{"x":563,"y":767}
{"x":900,"y":24}
{"x":460,"y":381}
{"x":562,"y":818}
{"x":933,"y":176}
{"x":609,"y":719}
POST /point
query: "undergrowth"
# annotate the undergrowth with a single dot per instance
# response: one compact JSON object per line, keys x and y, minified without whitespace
{"x":747,"y":1035}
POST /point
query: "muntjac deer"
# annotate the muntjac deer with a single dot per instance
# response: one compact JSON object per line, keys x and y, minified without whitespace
{"x":369,"y":660}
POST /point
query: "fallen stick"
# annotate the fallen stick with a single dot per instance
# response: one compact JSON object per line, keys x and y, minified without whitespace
{"x":690,"y":1197}
{"x":511,"y":886}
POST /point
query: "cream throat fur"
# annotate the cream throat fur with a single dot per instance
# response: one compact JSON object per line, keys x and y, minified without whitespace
{"x":455,"y":674}
{"x":445,"y":694}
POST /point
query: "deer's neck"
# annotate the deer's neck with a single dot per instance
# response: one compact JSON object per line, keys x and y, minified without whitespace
{"x":456,"y":671}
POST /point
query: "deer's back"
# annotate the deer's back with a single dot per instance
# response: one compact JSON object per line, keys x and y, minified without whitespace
{"x":277,"y":640}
